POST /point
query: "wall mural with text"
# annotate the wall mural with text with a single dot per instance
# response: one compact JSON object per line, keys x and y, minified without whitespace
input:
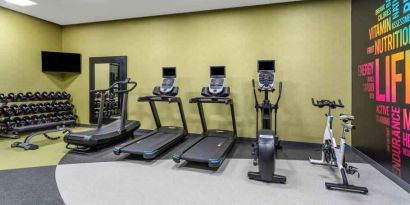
{"x":381,"y":82}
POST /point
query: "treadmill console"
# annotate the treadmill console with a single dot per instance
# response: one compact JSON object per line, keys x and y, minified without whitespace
{"x":266,"y":75}
{"x":168,"y":79}
{"x":217,"y":79}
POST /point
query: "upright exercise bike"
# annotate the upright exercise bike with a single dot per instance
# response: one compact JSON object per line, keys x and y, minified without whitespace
{"x":333,"y":154}
{"x":267,"y":140}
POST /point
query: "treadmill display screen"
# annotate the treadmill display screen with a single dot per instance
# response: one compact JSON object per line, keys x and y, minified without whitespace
{"x":217,"y":71}
{"x":169,"y":72}
{"x":268,"y":65}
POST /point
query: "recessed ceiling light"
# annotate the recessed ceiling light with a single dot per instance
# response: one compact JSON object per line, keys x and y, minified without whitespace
{"x":22,"y":2}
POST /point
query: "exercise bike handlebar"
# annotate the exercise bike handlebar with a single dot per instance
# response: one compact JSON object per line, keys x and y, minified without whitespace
{"x":327,"y":103}
{"x":115,"y":89}
{"x":254,"y":94}
{"x":280,"y":94}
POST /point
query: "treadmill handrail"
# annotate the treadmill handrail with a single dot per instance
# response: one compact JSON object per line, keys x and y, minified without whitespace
{"x":211,"y":100}
{"x":115,"y":89}
{"x":162,"y":98}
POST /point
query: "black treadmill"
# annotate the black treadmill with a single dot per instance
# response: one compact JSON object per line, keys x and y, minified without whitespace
{"x":156,"y":142}
{"x":105,"y":135}
{"x":213,"y":145}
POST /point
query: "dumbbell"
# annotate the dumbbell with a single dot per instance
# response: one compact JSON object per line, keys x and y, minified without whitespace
{"x":34,"y":108}
{"x":66,"y":95}
{"x":6,"y":110}
{"x":44,"y":96}
{"x":25,"y":109}
{"x":37,"y":96}
{"x":57,"y":107}
{"x":11,"y":97}
{"x":49,"y":107}
{"x":2,"y":97}
{"x":10,"y":124}
{"x":15,"y":110}
{"x":41,"y":107}
{"x":111,"y":95}
{"x":3,"y":129}
{"x":28,"y":120}
{"x":51,"y":96}
{"x":20,"y":97}
{"x":59,"y":96}
{"x":29,"y":96}
{"x":42,"y":119}
{"x":68,"y":106}
{"x":35,"y":120}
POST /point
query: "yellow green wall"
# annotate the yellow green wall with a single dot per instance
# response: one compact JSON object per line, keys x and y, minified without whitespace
{"x":310,"y":41}
{"x":22,"y":38}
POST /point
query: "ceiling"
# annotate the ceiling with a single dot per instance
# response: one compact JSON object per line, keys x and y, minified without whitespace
{"x":67,"y":12}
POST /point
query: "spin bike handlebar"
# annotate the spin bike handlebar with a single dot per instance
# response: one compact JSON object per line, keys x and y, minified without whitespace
{"x":327,"y":103}
{"x":116,"y":89}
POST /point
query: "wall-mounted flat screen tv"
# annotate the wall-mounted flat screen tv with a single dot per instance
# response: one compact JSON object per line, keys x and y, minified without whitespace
{"x":61,"y":62}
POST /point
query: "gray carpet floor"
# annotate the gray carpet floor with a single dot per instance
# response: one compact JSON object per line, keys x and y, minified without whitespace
{"x":164,"y":182}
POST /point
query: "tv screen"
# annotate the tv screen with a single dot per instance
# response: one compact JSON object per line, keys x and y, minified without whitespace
{"x":217,"y":71}
{"x":169,"y":72}
{"x":61,"y":62}
{"x":266,"y":65}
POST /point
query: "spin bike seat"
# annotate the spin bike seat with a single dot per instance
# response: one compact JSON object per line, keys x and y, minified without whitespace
{"x":346,"y":117}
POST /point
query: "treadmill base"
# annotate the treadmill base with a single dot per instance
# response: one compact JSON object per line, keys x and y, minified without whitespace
{"x":277,"y":179}
{"x":346,"y":187}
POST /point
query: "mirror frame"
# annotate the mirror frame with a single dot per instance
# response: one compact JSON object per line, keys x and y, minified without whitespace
{"x":121,"y":61}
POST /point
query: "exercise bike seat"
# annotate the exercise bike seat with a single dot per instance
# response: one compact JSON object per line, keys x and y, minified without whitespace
{"x":346,"y":117}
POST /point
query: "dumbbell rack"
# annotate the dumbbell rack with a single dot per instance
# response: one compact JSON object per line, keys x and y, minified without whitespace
{"x":111,"y":107}
{"x":16,"y":131}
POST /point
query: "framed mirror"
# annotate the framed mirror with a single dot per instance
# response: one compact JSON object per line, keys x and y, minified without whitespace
{"x":105,"y":71}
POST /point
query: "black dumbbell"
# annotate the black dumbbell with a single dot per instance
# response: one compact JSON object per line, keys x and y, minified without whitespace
{"x":57,"y":107}
{"x":3,"y":129}
{"x":10,"y":124}
{"x":42,"y":119}
{"x":34,"y":108}
{"x":25,"y":109}
{"x":29,"y":96}
{"x":111,"y":95}
{"x":44,"y":96}
{"x":2,"y":97}
{"x":52,"y":96}
{"x":66,"y":95}
{"x":20,"y":97}
{"x":15,"y":110}
{"x":37,"y":96}
{"x":41,"y":107}
{"x":68,"y":106}
{"x":49,"y":107}
{"x":11,"y":97}
{"x":28,"y":120}
{"x":35,"y":119}
{"x":6,"y":110}
{"x":52,"y":118}
{"x":59,"y":96}
{"x":60,"y":117}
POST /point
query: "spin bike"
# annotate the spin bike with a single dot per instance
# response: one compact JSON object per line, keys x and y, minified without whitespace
{"x":267,"y":140}
{"x":333,"y":154}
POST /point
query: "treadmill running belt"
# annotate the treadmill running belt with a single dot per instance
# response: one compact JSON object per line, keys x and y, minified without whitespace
{"x":207,"y":148}
{"x":152,"y":143}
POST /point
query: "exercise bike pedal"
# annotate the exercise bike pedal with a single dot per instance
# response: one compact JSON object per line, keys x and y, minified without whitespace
{"x":353,"y":170}
{"x":346,"y":187}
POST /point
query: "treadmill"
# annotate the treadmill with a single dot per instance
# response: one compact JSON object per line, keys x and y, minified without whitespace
{"x":159,"y":140}
{"x":212,"y":146}
{"x":110,"y":133}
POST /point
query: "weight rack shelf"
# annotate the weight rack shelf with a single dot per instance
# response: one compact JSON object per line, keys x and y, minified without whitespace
{"x":45,"y":119}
